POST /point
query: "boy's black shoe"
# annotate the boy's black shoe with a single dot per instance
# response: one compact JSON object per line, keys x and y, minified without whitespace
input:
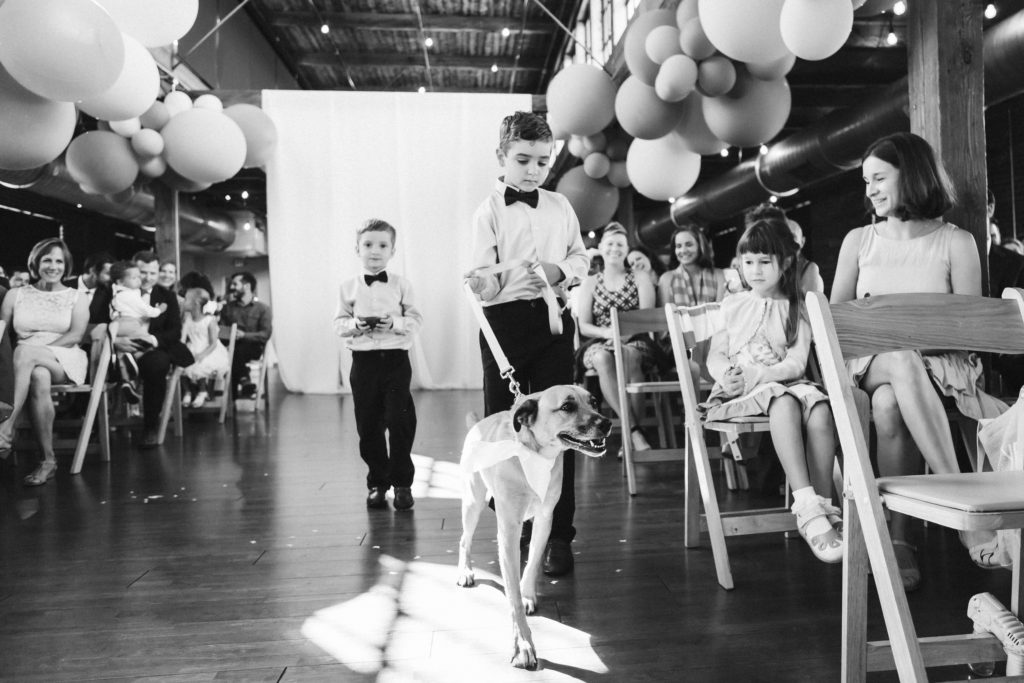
{"x":247,"y":390}
{"x":558,"y":560}
{"x":131,"y":368}
{"x":129,"y":393}
{"x":403,"y":498}
{"x":375,"y":499}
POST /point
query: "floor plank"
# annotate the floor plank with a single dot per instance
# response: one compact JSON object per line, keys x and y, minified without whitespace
{"x":245,"y":553}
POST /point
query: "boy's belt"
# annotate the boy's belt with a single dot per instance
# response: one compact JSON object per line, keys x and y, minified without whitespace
{"x":547,"y":292}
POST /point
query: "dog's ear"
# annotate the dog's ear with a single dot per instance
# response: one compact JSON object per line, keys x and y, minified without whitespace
{"x":525,"y":414}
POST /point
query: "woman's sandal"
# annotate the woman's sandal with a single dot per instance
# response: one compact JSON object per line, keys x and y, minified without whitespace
{"x":45,"y":472}
{"x":827,"y":547}
{"x":910,"y":574}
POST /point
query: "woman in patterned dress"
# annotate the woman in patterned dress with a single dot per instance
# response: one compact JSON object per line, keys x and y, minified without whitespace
{"x":48,"y":321}
{"x":615,"y":286}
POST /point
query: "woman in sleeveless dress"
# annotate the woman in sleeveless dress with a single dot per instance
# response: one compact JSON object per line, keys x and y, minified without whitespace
{"x":48,"y":320}
{"x":615,"y":286}
{"x":910,"y":248}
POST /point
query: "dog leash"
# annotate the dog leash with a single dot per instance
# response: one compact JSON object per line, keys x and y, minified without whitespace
{"x":505,"y":368}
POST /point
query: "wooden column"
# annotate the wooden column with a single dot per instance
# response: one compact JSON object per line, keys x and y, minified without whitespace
{"x":168,"y":233}
{"x":947,"y":102}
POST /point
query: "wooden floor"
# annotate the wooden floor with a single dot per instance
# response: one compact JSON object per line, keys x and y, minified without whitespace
{"x":245,"y":552}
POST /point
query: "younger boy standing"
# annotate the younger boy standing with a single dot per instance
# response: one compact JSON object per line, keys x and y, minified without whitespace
{"x":518,"y":220}
{"x":377,"y":318}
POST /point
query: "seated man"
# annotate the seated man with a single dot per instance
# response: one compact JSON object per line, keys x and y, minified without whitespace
{"x":96,"y":272}
{"x":160,"y":349}
{"x":254,"y":322}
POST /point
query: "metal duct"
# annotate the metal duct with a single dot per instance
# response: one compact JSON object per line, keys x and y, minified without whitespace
{"x":833,"y":144}
{"x":199,"y":225}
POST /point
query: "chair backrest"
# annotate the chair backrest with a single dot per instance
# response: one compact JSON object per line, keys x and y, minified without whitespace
{"x":638,"y":321}
{"x":688,"y":327}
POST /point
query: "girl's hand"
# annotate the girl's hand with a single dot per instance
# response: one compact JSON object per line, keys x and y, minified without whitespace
{"x":732,"y":383}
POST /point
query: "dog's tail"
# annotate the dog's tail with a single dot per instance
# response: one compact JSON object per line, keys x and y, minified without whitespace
{"x":471,"y":419}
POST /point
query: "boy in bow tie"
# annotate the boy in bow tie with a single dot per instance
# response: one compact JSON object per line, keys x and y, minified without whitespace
{"x":521,"y":221}
{"x":377,"y":319}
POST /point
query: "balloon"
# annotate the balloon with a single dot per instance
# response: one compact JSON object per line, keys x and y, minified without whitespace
{"x":134,"y":91}
{"x":686,"y":10}
{"x":692,"y":129}
{"x":33,"y":130}
{"x":643,"y":114}
{"x":126,"y":128}
{"x":755,"y":117}
{"x":594,"y":201}
{"x":635,"y":46}
{"x":596,"y":165}
{"x":63,"y":50}
{"x":816,"y":29}
{"x":716,"y":76}
{"x":582,"y":98}
{"x":594,"y":143}
{"x":204,"y":146}
{"x":102,"y":161}
{"x":662,"y":168}
{"x":693,"y":41}
{"x":676,"y":79}
{"x":746,"y":30}
{"x":153,"y":23}
{"x":148,"y":143}
{"x":208,"y":101}
{"x":176,"y":181}
{"x":259,"y":130}
{"x":575,"y":146}
{"x":662,"y":42}
{"x":155,"y":117}
{"x":617,"y":174}
{"x":176,"y":102}
{"x":153,"y":168}
{"x":558,"y":131}
{"x":771,"y":71}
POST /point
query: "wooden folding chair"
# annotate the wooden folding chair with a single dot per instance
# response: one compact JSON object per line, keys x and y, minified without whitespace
{"x":97,"y":410}
{"x":172,"y":398}
{"x":624,"y":325}
{"x":970,"y":501}
{"x":687,"y":328}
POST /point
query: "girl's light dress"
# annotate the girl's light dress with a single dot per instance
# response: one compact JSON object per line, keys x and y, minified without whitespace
{"x":922,"y":265}
{"x":197,"y":339}
{"x":755,"y":338}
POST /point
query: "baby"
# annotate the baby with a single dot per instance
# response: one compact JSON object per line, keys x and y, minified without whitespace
{"x":132,"y":314}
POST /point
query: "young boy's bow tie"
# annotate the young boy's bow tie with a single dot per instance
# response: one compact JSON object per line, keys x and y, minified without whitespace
{"x":382,"y":276}
{"x":513,"y":195}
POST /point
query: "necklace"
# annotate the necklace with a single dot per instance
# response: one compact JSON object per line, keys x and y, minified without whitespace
{"x":757,"y":328}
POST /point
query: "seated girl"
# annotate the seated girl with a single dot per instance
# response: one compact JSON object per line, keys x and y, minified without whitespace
{"x":200,"y":331}
{"x":759,"y":361}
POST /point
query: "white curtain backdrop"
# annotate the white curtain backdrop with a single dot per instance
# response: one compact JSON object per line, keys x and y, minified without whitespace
{"x":422,"y":162}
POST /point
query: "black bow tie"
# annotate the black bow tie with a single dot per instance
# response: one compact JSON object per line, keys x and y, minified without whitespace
{"x":382,"y":276}
{"x":512,"y":195}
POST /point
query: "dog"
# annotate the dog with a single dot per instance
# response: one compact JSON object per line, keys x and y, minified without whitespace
{"x":517,"y":456}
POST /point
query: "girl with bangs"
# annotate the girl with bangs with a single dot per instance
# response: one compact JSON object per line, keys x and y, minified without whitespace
{"x":759,"y":360}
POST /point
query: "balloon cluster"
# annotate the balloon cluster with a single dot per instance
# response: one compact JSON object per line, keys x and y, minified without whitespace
{"x":58,"y":57}
{"x":705,"y":76}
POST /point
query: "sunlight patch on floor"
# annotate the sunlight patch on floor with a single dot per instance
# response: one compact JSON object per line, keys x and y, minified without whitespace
{"x":417,"y":623}
{"x":436,"y":478}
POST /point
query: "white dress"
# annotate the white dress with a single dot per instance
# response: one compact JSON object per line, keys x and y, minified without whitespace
{"x":197,"y":339}
{"x":41,"y":317}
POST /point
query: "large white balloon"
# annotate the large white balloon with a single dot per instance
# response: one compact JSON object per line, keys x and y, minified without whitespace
{"x":134,"y":91}
{"x":153,"y":22}
{"x":753,"y":118}
{"x":63,"y":50}
{"x":676,"y":79}
{"x":693,"y":130}
{"x":102,"y":162}
{"x":816,"y":29}
{"x":204,"y":146}
{"x":770,"y":71}
{"x":581,"y":97}
{"x":33,"y":130}
{"x":662,"y":168}
{"x":643,"y":114}
{"x":746,"y":30}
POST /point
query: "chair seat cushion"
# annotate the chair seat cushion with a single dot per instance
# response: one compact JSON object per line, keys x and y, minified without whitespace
{"x":970,"y":492}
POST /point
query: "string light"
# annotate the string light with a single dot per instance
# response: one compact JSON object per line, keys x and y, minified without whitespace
{"x":227,"y":198}
{"x":763,"y":149}
{"x":724,"y":153}
{"x":991,"y":11}
{"x":428,"y":41}
{"x":245,"y":194}
{"x":900,"y":8}
{"x":494,"y":68}
{"x":506,"y":32}
{"x":773,"y":199}
{"x":325,"y":29}
{"x":421,"y":89}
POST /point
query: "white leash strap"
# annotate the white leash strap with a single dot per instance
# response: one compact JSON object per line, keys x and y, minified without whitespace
{"x":504,"y":367}
{"x":547,"y":292}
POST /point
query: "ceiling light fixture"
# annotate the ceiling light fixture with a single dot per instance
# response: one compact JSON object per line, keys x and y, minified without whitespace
{"x":991,"y":11}
{"x":245,"y":194}
{"x":429,"y":42}
{"x":421,"y":89}
{"x":227,"y":198}
{"x":763,"y":149}
{"x":325,"y":29}
{"x":773,"y":199}
{"x":506,"y":32}
{"x":494,"y":68}
{"x":724,"y":153}
{"x":900,"y":8}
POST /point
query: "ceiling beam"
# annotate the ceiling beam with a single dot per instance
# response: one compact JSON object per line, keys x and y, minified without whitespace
{"x":393,"y":59}
{"x":393,"y":21}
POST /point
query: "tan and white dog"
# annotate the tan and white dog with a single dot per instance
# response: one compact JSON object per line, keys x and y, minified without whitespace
{"x":517,"y":456}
